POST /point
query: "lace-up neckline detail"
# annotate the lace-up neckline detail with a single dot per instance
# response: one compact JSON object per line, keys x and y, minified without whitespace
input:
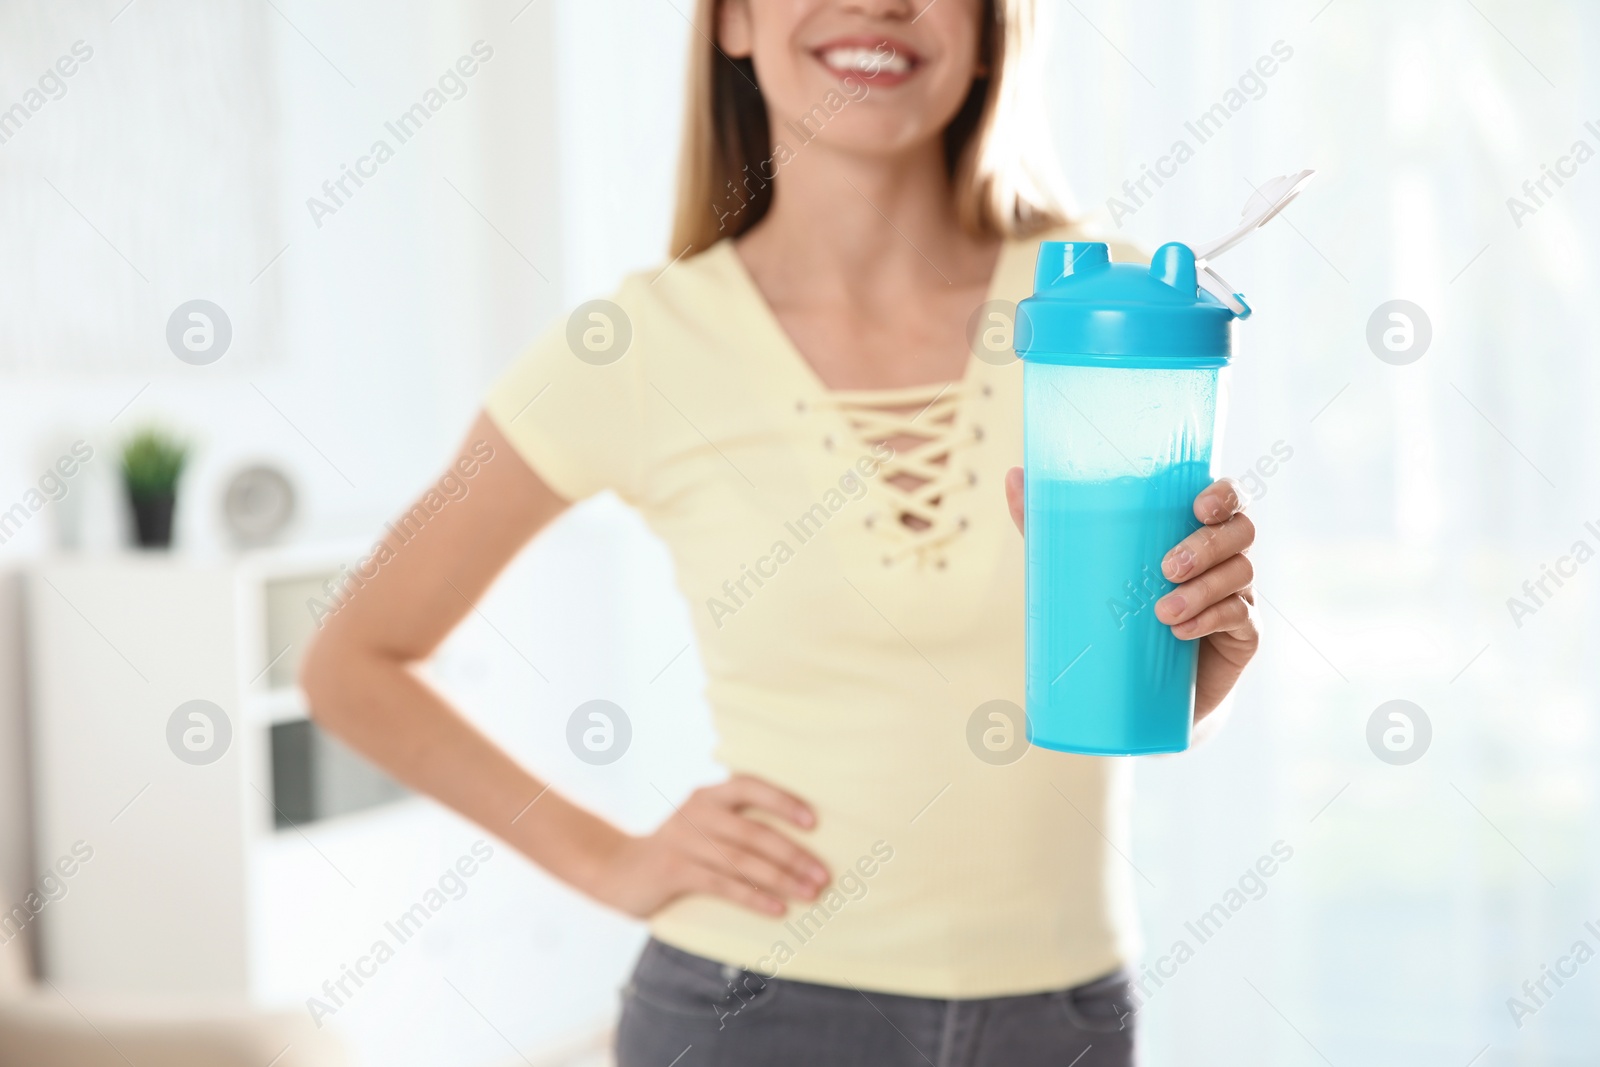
{"x":916,"y":496}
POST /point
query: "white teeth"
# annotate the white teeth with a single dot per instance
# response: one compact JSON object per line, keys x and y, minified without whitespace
{"x":866,"y":61}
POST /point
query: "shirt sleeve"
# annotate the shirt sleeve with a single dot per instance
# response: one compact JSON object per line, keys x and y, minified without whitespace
{"x":570,"y":404}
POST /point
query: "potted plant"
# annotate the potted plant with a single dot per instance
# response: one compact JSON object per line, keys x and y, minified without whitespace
{"x":152,"y":463}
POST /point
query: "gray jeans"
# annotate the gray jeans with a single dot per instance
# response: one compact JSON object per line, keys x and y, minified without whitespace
{"x":682,"y":1010}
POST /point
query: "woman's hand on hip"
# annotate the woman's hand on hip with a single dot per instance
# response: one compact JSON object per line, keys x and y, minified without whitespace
{"x":712,"y":845}
{"x":1214,"y":601}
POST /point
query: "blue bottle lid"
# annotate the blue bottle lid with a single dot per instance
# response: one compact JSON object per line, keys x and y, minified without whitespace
{"x":1088,"y":311}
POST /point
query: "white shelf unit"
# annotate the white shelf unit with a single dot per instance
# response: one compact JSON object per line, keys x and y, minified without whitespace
{"x":192,"y":891}
{"x":117,"y":643}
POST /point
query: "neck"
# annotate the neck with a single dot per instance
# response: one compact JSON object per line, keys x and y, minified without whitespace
{"x":851,"y":225}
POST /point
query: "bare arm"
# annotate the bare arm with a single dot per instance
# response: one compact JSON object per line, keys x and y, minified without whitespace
{"x":359,"y":677}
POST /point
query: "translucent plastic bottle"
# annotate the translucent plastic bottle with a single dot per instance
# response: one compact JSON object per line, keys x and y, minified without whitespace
{"x":1122,"y":386}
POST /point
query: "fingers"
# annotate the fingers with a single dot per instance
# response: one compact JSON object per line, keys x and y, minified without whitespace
{"x":750,"y":836}
{"x":1233,"y":615}
{"x":694,"y":849}
{"x":1014,"y":495}
{"x":1208,"y":546}
{"x":776,"y":881}
{"x":1211,"y":587}
{"x":1218,"y":502}
{"x":1215,"y":596}
{"x":716,"y":833}
{"x":730,"y":886}
{"x":743,"y":791}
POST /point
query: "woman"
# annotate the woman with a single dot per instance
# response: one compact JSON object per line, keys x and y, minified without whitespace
{"x":794,"y":407}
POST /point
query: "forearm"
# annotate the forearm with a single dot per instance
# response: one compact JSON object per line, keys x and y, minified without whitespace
{"x":378,"y":705}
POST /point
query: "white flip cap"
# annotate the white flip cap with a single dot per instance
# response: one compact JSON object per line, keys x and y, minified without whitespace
{"x":1262,"y":207}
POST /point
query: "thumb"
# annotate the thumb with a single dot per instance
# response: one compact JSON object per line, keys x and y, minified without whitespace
{"x":1014,"y":495}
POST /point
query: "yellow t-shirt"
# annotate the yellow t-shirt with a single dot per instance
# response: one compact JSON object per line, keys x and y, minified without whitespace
{"x":848,"y":651}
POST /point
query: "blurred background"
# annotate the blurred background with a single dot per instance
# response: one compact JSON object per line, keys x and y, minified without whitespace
{"x":1415,"y":478}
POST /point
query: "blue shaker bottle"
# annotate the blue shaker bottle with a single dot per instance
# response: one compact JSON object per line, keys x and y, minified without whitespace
{"x":1121,"y":378}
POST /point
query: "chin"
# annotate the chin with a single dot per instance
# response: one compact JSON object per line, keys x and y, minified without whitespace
{"x":883,"y":133}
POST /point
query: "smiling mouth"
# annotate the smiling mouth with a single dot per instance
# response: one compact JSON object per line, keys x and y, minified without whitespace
{"x":879,"y":62}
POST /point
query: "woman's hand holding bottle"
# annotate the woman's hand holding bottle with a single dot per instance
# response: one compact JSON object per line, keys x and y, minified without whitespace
{"x":1214,"y":600}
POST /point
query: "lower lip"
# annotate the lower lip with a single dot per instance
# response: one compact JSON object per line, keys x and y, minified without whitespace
{"x":882,"y":79}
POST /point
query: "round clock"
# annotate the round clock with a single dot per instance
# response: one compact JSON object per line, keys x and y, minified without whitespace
{"x":257,"y":505}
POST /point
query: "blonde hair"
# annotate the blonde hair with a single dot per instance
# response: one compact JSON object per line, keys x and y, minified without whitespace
{"x":997,"y":146}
